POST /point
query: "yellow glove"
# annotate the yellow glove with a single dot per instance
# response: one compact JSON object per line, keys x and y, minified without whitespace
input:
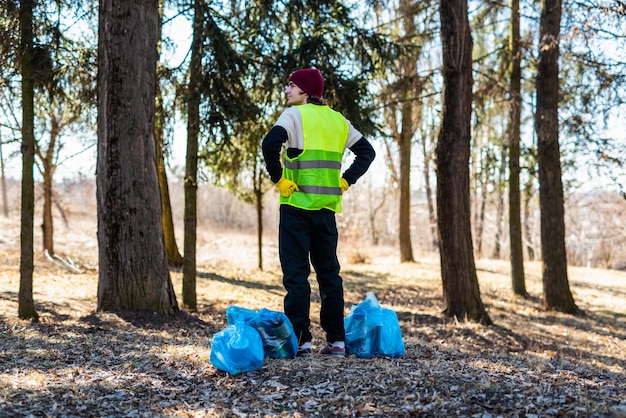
{"x":344,"y":185}
{"x":286,"y":187}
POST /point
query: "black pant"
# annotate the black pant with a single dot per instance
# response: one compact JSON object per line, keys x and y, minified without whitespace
{"x":304,"y":233}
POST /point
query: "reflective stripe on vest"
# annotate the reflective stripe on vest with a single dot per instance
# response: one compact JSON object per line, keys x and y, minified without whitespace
{"x":317,"y":170}
{"x":299,"y":165}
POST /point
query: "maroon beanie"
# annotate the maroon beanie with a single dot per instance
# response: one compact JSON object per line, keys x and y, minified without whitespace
{"x":309,"y":80}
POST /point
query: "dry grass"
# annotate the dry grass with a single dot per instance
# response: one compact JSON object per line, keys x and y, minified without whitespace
{"x":76,"y":362}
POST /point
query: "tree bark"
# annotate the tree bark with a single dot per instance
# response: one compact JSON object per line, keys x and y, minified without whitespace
{"x":133,"y":273}
{"x":26,"y":304}
{"x":191,"y":161}
{"x":411,"y":86}
{"x":460,"y":282}
{"x":405,"y":145}
{"x":528,"y":229}
{"x":480,"y":215}
{"x":518,"y":280}
{"x":432,"y":216}
{"x":258,"y":197}
{"x":5,"y":203}
{"x":174,"y":258}
{"x":556,"y":291}
{"x":48,"y":223}
{"x":497,"y":248}
{"x":257,"y":181}
{"x":47,"y":162}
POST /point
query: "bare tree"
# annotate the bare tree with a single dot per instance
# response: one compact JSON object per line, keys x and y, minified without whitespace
{"x":67,"y":104}
{"x":174,"y":258}
{"x":410,"y":113}
{"x":458,"y":270}
{"x":515,"y":90}
{"x":529,"y":193}
{"x":404,"y":109}
{"x":63,"y":75}
{"x":428,"y":151}
{"x":191,"y":160}
{"x":133,"y":271}
{"x":10,"y":33}
{"x":500,"y":186}
{"x":556,"y":292}
{"x":26,"y":305}
{"x":3,"y":184}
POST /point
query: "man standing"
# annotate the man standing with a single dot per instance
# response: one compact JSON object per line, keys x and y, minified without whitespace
{"x":311,"y":187}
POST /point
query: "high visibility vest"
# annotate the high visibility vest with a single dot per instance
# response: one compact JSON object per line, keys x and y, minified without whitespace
{"x":317,"y":170}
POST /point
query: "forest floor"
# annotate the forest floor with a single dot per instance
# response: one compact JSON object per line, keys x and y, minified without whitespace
{"x":76,"y":362}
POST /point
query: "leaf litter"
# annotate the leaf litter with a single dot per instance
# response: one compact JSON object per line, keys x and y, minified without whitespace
{"x":75,"y":362}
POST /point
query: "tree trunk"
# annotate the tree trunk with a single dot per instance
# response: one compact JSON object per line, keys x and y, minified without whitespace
{"x":515,"y":222}
{"x":258,"y":197}
{"x":497,"y":248}
{"x":432,"y":217}
{"x":5,"y":203}
{"x":460,"y":282}
{"x":480,"y":216}
{"x":259,"y":220}
{"x":48,"y":224}
{"x":191,"y":163}
{"x":133,"y":271}
{"x":47,"y":162}
{"x":405,"y":145}
{"x":528,"y":230}
{"x":174,"y":258}
{"x":26,"y":305}
{"x":411,"y":86}
{"x":556,"y":291}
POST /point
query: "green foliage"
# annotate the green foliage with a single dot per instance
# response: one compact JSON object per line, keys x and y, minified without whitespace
{"x":593,"y":73}
{"x":249,"y":50}
{"x":63,"y":61}
{"x":592,"y":76}
{"x":9,"y":70}
{"x":9,"y":40}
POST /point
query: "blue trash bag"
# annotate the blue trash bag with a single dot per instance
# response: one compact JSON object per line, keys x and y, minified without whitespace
{"x":275,"y":329}
{"x":390,"y":342}
{"x":372,"y":330}
{"x":237,"y":348}
{"x":233,"y":313}
{"x":279,"y":338}
{"x":362,"y":327}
